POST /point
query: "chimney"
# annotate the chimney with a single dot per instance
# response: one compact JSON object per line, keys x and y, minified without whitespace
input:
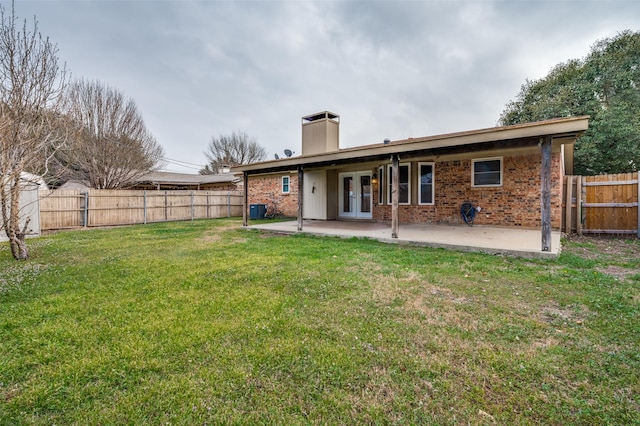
{"x":320,"y":133}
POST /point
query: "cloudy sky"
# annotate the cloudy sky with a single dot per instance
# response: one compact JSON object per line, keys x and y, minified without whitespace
{"x":389,"y":69}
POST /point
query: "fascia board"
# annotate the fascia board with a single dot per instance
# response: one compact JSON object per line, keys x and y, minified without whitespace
{"x":562,"y":127}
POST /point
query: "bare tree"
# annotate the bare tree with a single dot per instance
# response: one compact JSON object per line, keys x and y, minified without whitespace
{"x":232,"y":150}
{"x":111,"y":147}
{"x":32,"y":83}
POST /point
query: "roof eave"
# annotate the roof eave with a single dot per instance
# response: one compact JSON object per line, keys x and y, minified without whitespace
{"x":571,"y":127}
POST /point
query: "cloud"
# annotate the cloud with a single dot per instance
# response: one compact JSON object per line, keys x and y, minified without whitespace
{"x":390,"y":69}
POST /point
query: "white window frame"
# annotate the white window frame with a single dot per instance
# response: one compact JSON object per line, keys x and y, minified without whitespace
{"x":381,"y":184}
{"x":433,"y":186}
{"x":388,"y":191}
{"x":288,"y":178}
{"x":481,"y":160}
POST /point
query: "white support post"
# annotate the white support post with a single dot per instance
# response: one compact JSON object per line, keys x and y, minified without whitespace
{"x":245,"y":198}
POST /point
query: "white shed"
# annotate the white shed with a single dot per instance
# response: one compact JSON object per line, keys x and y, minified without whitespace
{"x":29,"y":204}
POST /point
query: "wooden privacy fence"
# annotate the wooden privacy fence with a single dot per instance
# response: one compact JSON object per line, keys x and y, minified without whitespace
{"x":606,"y":204}
{"x":104,"y":207}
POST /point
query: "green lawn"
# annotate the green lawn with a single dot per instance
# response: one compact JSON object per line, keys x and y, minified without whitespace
{"x":206,"y":323}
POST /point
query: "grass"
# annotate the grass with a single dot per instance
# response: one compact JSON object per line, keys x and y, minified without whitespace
{"x":206,"y":323}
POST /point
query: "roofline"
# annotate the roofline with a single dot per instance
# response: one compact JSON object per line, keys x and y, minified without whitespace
{"x":559,"y":127}
{"x":185,"y":183}
{"x":173,"y":178}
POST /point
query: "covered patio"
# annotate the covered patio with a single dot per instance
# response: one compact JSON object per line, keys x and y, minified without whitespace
{"x":402,"y":191}
{"x":478,"y":238}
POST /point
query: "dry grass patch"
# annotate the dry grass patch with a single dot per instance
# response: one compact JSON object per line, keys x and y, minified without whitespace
{"x":215,"y":234}
{"x":619,"y":272}
{"x":557,"y":315}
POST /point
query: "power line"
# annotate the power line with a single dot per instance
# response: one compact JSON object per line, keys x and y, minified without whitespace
{"x":173,"y":161}
{"x":180,"y":163}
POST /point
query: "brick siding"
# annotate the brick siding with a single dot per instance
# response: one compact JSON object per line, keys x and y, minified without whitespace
{"x":268,"y":189}
{"x":515,"y":203}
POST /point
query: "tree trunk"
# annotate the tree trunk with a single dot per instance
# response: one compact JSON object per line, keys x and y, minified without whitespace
{"x":19,"y":248}
{"x":16,"y":236}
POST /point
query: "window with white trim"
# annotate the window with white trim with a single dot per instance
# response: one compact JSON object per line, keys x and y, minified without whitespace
{"x":404,"y":184}
{"x":285,"y":184}
{"x":426,"y":174}
{"x":486,"y":172}
{"x":381,"y":185}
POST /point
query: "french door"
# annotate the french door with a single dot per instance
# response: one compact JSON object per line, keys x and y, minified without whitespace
{"x":355,"y":195}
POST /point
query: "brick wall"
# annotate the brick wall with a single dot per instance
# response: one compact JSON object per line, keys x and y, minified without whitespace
{"x":226,"y":187}
{"x":515,"y":203}
{"x":268,"y":189}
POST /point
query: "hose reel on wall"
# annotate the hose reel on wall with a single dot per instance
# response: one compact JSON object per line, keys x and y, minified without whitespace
{"x":468,"y":212}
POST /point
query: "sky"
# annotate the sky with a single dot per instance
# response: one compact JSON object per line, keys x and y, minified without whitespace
{"x":389,"y":69}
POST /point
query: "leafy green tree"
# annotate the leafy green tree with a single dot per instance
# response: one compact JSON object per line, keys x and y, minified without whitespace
{"x":606,"y":86}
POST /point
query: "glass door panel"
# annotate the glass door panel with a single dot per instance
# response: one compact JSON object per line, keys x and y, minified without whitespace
{"x":355,"y":195}
{"x":365,"y":194}
{"x":347,"y":194}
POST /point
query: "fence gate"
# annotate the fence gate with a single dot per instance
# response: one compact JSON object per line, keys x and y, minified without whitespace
{"x":606,"y":204}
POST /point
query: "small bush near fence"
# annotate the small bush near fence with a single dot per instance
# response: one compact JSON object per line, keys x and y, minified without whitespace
{"x":102,"y":207}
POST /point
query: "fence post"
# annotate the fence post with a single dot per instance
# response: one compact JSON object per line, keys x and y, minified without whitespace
{"x":193,"y":209}
{"x":86,"y":209}
{"x":568,"y":223}
{"x":228,"y":204}
{"x":166,"y":216}
{"x":638,"y":203}
{"x":208,"y":205}
{"x":579,"y":205}
{"x":144,"y":206}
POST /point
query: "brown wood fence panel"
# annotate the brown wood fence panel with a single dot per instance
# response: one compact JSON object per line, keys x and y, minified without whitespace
{"x":61,"y":209}
{"x":606,"y":204}
{"x":72,"y":209}
{"x":115,"y":207}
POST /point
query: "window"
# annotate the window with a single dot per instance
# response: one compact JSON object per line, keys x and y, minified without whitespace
{"x":404,"y":183}
{"x":425,"y":183}
{"x":486,"y":172}
{"x":285,"y":184}
{"x":381,"y":185}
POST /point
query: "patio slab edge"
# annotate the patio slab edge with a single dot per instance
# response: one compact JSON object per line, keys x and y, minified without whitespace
{"x":456,"y":247}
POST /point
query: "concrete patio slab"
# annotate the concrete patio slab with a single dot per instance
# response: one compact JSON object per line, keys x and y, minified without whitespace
{"x":477,"y":238}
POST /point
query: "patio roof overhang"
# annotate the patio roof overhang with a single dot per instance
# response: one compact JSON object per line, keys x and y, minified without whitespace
{"x":543,"y":136}
{"x":521,"y":136}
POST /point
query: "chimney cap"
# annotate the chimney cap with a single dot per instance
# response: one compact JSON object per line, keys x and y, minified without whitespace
{"x":324,"y":115}
{"x":387,"y":141}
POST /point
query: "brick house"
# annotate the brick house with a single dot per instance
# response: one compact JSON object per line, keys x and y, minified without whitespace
{"x":513,"y":173}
